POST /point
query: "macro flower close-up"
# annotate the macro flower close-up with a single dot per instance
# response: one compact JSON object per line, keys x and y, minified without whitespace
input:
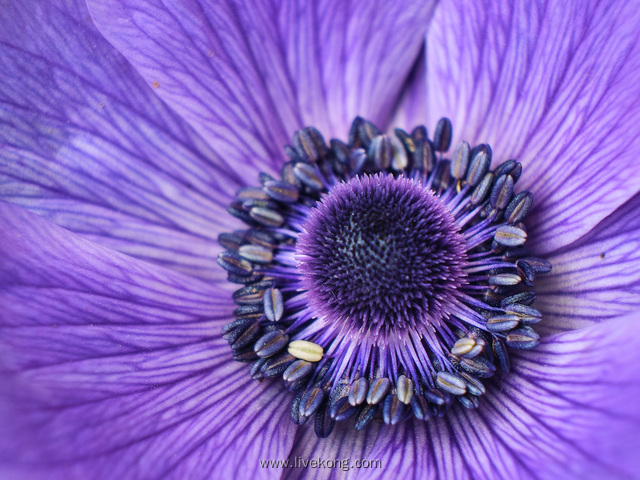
{"x":319,"y":239}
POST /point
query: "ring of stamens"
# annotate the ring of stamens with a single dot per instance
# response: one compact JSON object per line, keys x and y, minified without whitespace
{"x":380,"y":279}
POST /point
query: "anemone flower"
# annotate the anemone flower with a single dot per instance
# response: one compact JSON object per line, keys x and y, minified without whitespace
{"x":130,"y":129}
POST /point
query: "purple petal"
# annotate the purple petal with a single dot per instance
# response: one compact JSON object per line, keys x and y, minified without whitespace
{"x":86,"y":143}
{"x":413,"y":107}
{"x":246,"y":75}
{"x":565,"y":411}
{"x":553,"y":84}
{"x":115,"y":368}
{"x":597,"y":277}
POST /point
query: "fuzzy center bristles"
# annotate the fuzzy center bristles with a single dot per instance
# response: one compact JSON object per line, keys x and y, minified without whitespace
{"x":381,"y":250}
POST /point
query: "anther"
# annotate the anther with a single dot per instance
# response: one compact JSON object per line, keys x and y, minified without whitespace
{"x":358,"y":391}
{"x":404,"y":389}
{"x":526,"y":298}
{"x":478,"y":168}
{"x":474,"y":386}
{"x":378,"y":390}
{"x":324,"y":424}
{"x":527,"y":315}
{"x":362,"y":132}
{"x":502,"y":323}
{"x":309,"y":351}
{"x":271,"y":343}
{"x":311,"y":401}
{"x":309,"y":144}
{"x":504,"y":279}
{"x":482,"y":189}
{"x":381,"y":151}
{"x":256,"y":254}
{"x":502,"y":192}
{"x":522,"y":338}
{"x":277,"y":365}
{"x":365,"y":416}
{"x":308,"y":175}
{"x":297,"y":371}
{"x":451,"y":383}
{"x":478,"y":366}
{"x":460,"y":160}
{"x":424,"y":159}
{"x":266,"y":216}
{"x":463,"y":345}
{"x":420,"y":407}
{"x":469,"y":401}
{"x":518,"y":207}
{"x":419,"y":133}
{"x":406,"y":140}
{"x":273,"y":303}
{"x":393,"y":410}
{"x":442,"y":135}
{"x":505,"y":168}
{"x":500,"y":351}
{"x":281,"y":191}
{"x":234,"y":263}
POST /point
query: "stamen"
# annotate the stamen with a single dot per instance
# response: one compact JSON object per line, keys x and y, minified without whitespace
{"x":379,"y":280}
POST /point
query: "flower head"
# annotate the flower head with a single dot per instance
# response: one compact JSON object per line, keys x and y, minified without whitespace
{"x":126,"y":130}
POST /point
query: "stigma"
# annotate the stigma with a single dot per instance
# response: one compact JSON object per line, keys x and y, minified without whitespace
{"x":381,"y":278}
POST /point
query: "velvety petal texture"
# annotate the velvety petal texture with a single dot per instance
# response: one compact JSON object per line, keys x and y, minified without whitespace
{"x":565,"y":411}
{"x":115,"y":368}
{"x":86,"y":142}
{"x":595,"y":278}
{"x":552,"y":84}
{"x":247,"y":74}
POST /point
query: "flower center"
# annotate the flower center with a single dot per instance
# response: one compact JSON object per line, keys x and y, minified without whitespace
{"x":380,"y":279}
{"x":381,"y":250}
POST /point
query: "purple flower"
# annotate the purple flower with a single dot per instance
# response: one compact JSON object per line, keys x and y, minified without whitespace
{"x":126,"y":128}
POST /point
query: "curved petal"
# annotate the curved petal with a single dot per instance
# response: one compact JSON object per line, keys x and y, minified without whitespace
{"x":246,"y":75}
{"x":115,"y":368}
{"x":565,"y":411}
{"x":553,"y":84}
{"x":413,"y":108}
{"x":595,"y":278}
{"x":85,"y":142}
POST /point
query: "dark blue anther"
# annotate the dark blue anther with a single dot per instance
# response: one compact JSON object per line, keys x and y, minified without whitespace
{"x":311,"y":401}
{"x":277,"y":365}
{"x":419,"y":133}
{"x":501,"y":192}
{"x":393,"y":410}
{"x":424,"y":159}
{"x":478,"y":168}
{"x":365,"y":416}
{"x":522,"y":338}
{"x":273,"y":303}
{"x":442,"y":135}
{"x":482,"y":189}
{"x":298,"y":370}
{"x":478,"y":366}
{"x":309,"y":144}
{"x":518,"y":207}
{"x":420,"y":407}
{"x":271,"y":343}
{"x":526,"y":298}
{"x":324,"y":424}
{"x":460,"y":160}
{"x":500,"y":351}
{"x":342,"y":409}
